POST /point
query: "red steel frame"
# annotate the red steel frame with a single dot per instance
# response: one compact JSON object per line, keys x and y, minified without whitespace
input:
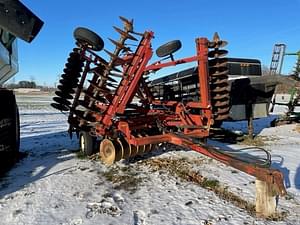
{"x":193,"y":125}
{"x":135,"y":66}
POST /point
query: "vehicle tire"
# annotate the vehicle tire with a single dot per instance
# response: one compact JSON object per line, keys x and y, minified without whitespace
{"x":89,"y":38}
{"x":168,"y":48}
{"x":9,"y":130}
{"x":86,"y":143}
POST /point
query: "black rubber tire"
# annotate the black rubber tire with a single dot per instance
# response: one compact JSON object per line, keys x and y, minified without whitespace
{"x":89,"y":38}
{"x":9,"y":130}
{"x":86,"y":143}
{"x":168,"y":48}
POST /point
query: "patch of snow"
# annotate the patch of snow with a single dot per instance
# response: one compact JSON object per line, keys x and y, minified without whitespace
{"x":53,"y":186}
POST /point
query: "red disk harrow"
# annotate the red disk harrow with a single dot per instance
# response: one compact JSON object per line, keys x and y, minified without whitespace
{"x":113,"y":100}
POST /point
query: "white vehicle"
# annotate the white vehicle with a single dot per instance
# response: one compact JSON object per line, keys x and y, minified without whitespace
{"x":16,"y":21}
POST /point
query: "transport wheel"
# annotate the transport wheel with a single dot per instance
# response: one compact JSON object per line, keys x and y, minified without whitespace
{"x":89,"y":38}
{"x":168,"y":48}
{"x":9,"y":130}
{"x":86,"y":143}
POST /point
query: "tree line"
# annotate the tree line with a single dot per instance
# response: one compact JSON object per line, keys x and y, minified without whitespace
{"x":22,"y":84}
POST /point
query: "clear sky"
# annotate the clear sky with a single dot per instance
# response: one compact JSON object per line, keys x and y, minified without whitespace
{"x":250,"y":27}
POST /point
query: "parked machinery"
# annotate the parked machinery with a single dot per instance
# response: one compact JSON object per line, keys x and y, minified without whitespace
{"x":292,"y":82}
{"x":113,"y":101}
{"x":16,"y":21}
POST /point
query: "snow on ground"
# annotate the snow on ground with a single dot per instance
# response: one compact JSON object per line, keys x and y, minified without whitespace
{"x":52,"y":185}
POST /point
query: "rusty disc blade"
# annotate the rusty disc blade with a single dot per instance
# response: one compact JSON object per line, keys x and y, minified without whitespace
{"x":218,"y":62}
{"x":222,"y":110}
{"x":102,"y":90}
{"x":219,"y":80}
{"x":134,"y":150}
{"x":217,"y":69}
{"x":107,"y":152}
{"x":69,"y":82}
{"x":148,"y":148}
{"x":124,"y":34}
{"x":79,"y":114}
{"x":76,"y":65}
{"x":116,"y":74}
{"x":102,"y":77}
{"x":153,"y":146}
{"x":111,"y":79}
{"x":63,"y":95}
{"x":222,"y":117}
{"x":75,"y":53}
{"x":214,"y":85}
{"x":95,"y":98}
{"x":97,"y":70}
{"x":220,"y":89}
{"x":84,"y":115}
{"x":116,"y":43}
{"x":216,"y":37}
{"x":141,"y":149}
{"x":71,"y":74}
{"x":67,"y":76}
{"x":220,"y":96}
{"x":219,"y":73}
{"x":73,"y":121}
{"x":220,"y":103}
{"x":60,"y":107}
{"x":126,"y":148}
{"x":66,"y":89}
{"x":113,"y":56}
{"x":86,"y":105}
{"x":217,"y":44}
{"x":111,"y":85}
{"x":217,"y":53}
{"x":94,"y":84}
{"x":75,"y":60}
{"x":119,"y":150}
{"x":125,"y":20}
{"x":62,"y":101}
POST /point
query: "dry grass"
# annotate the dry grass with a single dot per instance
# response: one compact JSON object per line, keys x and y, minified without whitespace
{"x":181,"y":168}
{"x":297,"y":128}
{"x":81,"y":155}
{"x":127,"y":178}
{"x":123,"y":178}
{"x":258,"y":141}
{"x":283,"y":88}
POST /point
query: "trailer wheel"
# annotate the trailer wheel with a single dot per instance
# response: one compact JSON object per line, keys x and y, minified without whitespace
{"x":168,"y":48}
{"x":86,"y":143}
{"x":9,"y":130}
{"x":89,"y":38}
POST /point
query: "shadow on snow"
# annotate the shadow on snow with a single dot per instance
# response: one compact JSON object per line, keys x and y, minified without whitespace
{"x":297,"y":178}
{"x":43,"y":153}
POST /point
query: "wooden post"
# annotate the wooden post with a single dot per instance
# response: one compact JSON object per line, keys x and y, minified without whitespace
{"x":249,"y":114}
{"x":250,"y":127}
{"x":265,"y":203}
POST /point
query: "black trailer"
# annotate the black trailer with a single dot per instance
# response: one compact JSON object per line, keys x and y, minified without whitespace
{"x":248,"y":88}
